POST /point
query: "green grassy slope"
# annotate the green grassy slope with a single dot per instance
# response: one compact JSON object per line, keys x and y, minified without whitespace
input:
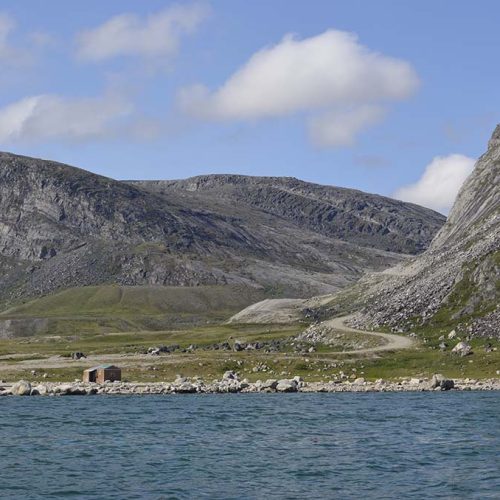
{"x":132,"y":300}
{"x":112,"y":308}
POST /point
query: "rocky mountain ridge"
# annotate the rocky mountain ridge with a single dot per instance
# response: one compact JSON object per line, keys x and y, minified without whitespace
{"x":62,"y":227}
{"x":347,"y":214}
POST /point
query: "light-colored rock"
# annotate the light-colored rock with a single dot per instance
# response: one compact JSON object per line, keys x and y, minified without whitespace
{"x":185,"y":388}
{"x":230,"y":375}
{"x":269,"y":384}
{"x":63,"y":389}
{"x":462,"y":349}
{"x":439,"y":381}
{"x":21,"y":388}
{"x":42,"y":389}
{"x":286,"y":385}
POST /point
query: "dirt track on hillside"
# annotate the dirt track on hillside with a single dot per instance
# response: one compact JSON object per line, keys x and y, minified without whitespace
{"x":393,"y":342}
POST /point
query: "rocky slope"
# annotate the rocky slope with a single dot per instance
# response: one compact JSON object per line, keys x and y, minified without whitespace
{"x":346,"y":214}
{"x":457,"y":280}
{"x":63,"y":227}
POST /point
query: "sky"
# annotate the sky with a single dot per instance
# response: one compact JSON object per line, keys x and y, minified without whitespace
{"x":392,"y":97}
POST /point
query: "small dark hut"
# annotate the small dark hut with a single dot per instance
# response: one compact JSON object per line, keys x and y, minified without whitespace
{"x":102,"y":373}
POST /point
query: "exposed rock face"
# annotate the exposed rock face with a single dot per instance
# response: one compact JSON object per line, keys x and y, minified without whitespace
{"x":458,"y":277}
{"x":366,"y":219}
{"x":62,"y":227}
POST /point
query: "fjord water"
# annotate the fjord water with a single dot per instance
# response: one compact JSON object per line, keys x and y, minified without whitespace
{"x":400,"y":445}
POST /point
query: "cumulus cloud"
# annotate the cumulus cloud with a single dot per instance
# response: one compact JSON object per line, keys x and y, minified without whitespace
{"x":49,"y":117}
{"x":331,"y":74}
{"x":335,"y":128}
{"x":439,"y":184}
{"x":130,"y":35}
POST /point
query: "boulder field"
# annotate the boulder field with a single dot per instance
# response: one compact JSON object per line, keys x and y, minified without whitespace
{"x":231,"y":383}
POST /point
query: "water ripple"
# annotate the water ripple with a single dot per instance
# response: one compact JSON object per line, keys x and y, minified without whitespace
{"x":383,"y":446}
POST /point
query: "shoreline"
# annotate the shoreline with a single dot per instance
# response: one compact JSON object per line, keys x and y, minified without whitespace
{"x":230,"y":383}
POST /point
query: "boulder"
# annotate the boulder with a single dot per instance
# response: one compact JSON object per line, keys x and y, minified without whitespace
{"x":269,"y":384}
{"x":359,"y":381}
{"x":239,"y":346}
{"x":21,"y":388}
{"x":452,"y":334}
{"x":63,"y":390}
{"x":440,"y":381}
{"x":287,"y":386}
{"x":42,"y":389}
{"x":462,"y":349}
{"x":185,"y":388}
{"x":230,"y":375}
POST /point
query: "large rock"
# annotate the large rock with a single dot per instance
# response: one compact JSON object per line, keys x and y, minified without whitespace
{"x":462,"y":349}
{"x":42,"y":389}
{"x":287,"y":386}
{"x":230,"y":375}
{"x":21,"y":388}
{"x":269,"y":384}
{"x":441,"y":381}
{"x":185,"y":388}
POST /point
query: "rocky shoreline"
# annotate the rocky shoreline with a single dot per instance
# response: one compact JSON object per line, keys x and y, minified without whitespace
{"x":230,"y":383}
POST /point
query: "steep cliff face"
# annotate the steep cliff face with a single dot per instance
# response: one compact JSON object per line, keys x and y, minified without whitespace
{"x":63,"y":227}
{"x":477,"y":203}
{"x":457,"y":280}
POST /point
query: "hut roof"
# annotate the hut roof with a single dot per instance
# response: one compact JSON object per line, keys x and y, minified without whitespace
{"x":102,"y":367}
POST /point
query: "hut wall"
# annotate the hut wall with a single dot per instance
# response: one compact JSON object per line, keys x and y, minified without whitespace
{"x":110,"y":374}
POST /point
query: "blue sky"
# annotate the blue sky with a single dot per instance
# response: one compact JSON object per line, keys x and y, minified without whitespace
{"x":160,"y":90}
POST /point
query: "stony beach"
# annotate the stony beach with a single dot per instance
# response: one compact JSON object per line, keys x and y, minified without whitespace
{"x":231,"y":383}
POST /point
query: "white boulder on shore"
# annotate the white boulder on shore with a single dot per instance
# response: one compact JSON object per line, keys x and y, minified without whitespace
{"x":21,"y":388}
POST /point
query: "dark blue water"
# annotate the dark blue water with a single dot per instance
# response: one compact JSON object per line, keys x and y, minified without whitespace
{"x":409,"y":445}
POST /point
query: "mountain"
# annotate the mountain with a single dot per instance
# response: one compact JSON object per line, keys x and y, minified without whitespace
{"x":63,"y":227}
{"x":365,"y":219}
{"x":456,"y":282}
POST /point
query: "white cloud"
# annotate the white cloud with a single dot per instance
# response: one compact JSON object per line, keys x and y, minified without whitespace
{"x":340,"y":128}
{"x":10,"y":54}
{"x":41,"y":39}
{"x":329,"y":72}
{"x":439,"y":184}
{"x":7,"y":25}
{"x":130,"y":35}
{"x":26,"y":51}
{"x":50,"y":117}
